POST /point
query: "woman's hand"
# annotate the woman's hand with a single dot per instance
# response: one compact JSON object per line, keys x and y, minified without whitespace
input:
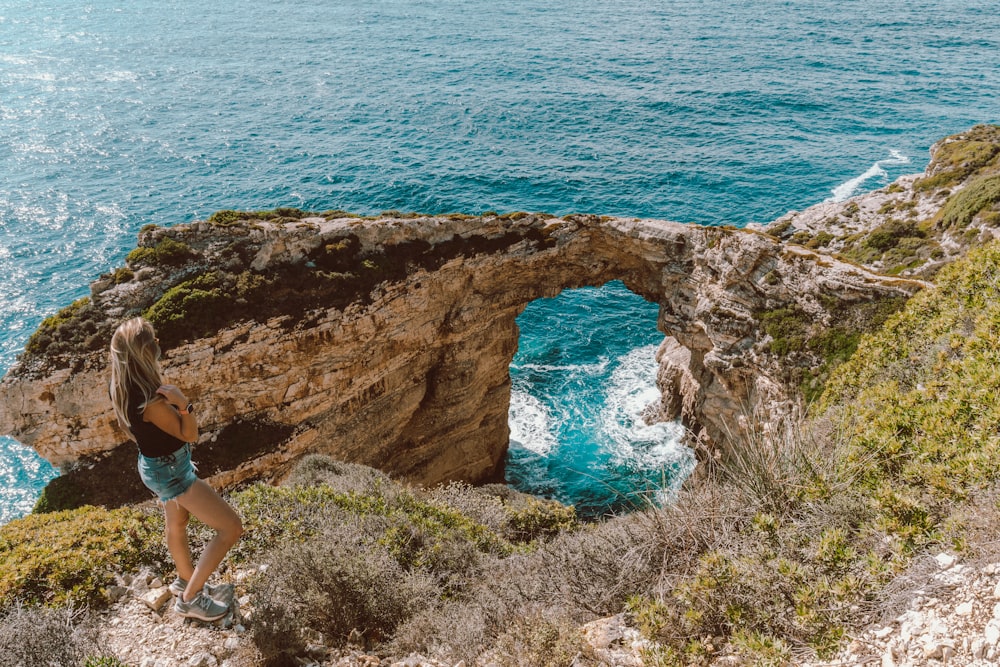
{"x":173,"y":395}
{"x":167,"y":417}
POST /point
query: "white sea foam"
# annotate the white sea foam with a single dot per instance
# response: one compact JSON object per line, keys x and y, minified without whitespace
{"x":848,"y":189}
{"x":530,"y":423}
{"x":595,"y":368}
{"x":631,"y":440}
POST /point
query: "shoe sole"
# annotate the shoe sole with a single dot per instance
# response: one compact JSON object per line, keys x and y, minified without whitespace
{"x":206,"y":619}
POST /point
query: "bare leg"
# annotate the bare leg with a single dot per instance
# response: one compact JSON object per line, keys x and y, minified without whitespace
{"x":202,"y":501}
{"x":176,"y":521}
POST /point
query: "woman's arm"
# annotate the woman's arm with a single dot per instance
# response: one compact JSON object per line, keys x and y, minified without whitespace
{"x":170,"y":415}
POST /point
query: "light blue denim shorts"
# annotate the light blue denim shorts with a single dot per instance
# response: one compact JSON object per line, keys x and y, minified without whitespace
{"x":168,"y":476}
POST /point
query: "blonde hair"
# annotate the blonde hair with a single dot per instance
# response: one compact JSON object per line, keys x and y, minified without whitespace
{"x":135,"y":367}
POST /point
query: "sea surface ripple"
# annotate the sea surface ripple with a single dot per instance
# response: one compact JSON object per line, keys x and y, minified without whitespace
{"x":115,"y":115}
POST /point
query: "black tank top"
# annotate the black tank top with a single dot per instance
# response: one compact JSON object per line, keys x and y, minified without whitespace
{"x":153,"y":441}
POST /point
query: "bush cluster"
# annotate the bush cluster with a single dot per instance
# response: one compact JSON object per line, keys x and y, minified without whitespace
{"x":70,"y":556}
{"x":364,"y":556}
{"x":77,"y":327}
{"x":922,"y":392}
{"x":980,"y":196}
{"x":812,"y":349}
{"x":168,"y":251}
{"x":963,"y":155}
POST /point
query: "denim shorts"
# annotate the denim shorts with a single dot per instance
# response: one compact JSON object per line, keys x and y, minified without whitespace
{"x":168,"y":476}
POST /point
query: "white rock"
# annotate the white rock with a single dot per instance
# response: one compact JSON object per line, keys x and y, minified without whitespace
{"x":231,"y":643}
{"x":202,"y":660}
{"x":964,"y":609}
{"x":911,"y":623}
{"x":944,"y":560}
{"x":887,"y":659}
{"x":938,"y":628}
{"x":978,"y":648}
{"x":932,"y":649}
{"x":156,"y":582}
{"x":156,"y":597}
{"x":148,"y":662}
{"x":996,"y":610}
{"x":992,"y":633}
{"x":996,"y":590}
{"x":882,"y":633}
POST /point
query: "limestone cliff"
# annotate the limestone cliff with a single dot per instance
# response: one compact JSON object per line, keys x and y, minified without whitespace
{"x":387,"y":341}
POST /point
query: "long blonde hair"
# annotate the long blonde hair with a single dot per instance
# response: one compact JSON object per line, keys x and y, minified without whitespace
{"x":135,"y":367}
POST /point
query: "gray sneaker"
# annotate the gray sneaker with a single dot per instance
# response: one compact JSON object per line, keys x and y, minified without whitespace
{"x":178,"y":586}
{"x":201,"y":607}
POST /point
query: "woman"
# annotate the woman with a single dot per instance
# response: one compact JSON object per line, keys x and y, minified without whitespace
{"x":159,"y":418}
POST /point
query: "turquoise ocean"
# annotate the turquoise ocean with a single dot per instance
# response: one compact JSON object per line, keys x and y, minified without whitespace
{"x":118,"y":114}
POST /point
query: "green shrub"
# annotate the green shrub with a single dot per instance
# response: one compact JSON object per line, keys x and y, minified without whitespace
{"x":962,"y":207}
{"x":168,"y":251}
{"x":227,"y":217}
{"x":888,"y":234}
{"x":922,"y":399}
{"x":956,"y":158}
{"x":190,"y":309}
{"x":294,"y":513}
{"x":103,"y":661}
{"x":337,"y":213}
{"x":801,"y":237}
{"x":172,"y":252}
{"x":762,"y":649}
{"x":121,"y":275}
{"x":537,"y":518}
{"x":821,"y":240}
{"x":778,"y":230}
{"x":787,"y":327}
{"x":141,"y":256}
{"x":78,"y":326}
{"x":70,"y":556}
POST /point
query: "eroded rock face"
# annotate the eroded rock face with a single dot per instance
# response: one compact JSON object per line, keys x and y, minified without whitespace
{"x":411,"y":376}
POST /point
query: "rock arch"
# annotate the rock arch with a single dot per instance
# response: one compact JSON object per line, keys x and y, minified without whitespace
{"x":412,"y":376}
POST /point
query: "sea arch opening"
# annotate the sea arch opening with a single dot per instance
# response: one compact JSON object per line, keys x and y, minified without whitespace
{"x":583,"y":418}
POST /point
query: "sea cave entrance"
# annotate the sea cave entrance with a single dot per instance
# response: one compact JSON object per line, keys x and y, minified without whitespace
{"x":581,"y":380}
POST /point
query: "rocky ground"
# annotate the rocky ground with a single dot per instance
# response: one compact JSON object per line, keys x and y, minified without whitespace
{"x":950,"y":615}
{"x":142,"y":629}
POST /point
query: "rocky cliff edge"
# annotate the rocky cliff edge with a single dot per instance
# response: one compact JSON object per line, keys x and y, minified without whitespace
{"x":388,"y":341}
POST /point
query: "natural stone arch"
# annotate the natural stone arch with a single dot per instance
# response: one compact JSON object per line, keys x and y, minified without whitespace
{"x":412,"y":376}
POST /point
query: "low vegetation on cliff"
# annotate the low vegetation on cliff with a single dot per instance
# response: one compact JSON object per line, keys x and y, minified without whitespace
{"x":195,"y":289}
{"x":955,"y":205}
{"x":772,"y":554}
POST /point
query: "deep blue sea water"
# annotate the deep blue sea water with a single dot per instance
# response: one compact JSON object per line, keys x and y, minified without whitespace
{"x":117,"y":114}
